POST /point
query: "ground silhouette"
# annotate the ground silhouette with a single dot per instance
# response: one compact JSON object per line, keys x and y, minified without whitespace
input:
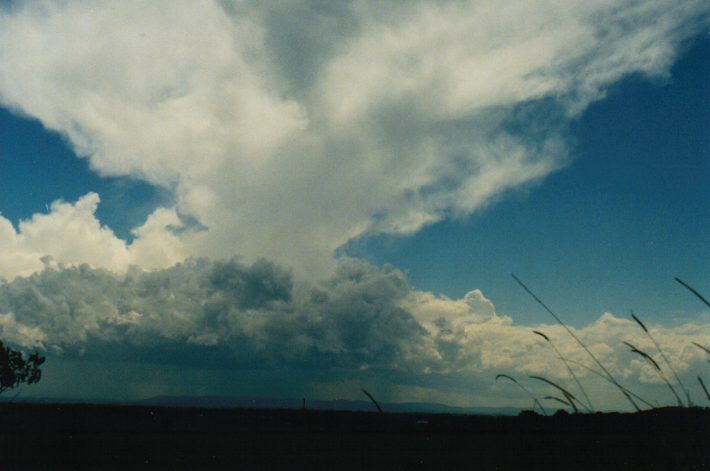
{"x":61,"y":436}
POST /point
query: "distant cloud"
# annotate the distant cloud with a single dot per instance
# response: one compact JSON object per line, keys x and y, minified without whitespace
{"x":288,"y":128}
{"x":362,"y":322}
{"x":71,"y":234}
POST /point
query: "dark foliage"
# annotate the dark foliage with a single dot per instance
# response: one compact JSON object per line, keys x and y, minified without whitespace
{"x":15,"y":369}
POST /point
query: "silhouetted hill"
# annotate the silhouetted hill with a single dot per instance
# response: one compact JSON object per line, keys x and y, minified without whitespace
{"x":334,"y":405}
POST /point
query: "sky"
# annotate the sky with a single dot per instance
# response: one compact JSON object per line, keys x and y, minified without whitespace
{"x":238,"y":198}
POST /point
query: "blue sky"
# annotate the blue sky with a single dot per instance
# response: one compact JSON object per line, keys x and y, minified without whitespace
{"x":216,"y":195}
{"x":38,"y":167}
{"x":606,"y":233}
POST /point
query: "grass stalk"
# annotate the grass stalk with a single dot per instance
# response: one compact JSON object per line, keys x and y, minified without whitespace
{"x":374,"y":401}
{"x":665,"y":359}
{"x":535,"y":401}
{"x":589,"y":352}
{"x":605,"y":378}
{"x":705,"y":349}
{"x":707,"y":394}
{"x":568,"y":395}
{"x":693,"y":290}
{"x":587,"y":406}
{"x":555,"y":398}
{"x":658,"y":369}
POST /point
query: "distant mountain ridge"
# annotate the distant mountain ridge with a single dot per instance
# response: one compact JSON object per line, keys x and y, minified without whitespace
{"x":279,"y":403}
{"x":335,"y":404}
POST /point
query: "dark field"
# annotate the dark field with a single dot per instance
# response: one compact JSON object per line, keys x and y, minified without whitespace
{"x":125,"y":437}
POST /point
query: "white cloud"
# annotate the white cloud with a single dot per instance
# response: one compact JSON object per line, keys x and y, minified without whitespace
{"x":431,"y":310}
{"x":71,"y":234}
{"x":288,"y":129}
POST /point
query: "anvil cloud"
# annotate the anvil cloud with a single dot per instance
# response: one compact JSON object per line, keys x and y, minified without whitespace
{"x":288,"y":129}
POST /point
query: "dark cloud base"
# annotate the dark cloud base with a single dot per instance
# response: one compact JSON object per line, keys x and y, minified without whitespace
{"x":217,"y":315}
{"x":223,"y":327}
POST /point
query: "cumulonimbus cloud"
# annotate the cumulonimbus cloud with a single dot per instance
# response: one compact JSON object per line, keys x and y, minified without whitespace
{"x":227,"y":314}
{"x":287,"y":129}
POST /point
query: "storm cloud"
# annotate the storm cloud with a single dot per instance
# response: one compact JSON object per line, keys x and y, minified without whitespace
{"x":287,"y":129}
{"x":362,"y":324}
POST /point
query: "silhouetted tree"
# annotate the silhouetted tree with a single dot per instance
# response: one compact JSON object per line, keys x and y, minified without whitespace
{"x":15,"y":369}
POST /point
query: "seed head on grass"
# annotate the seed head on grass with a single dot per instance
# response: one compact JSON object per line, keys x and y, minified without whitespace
{"x":705,"y":349}
{"x":587,"y":406}
{"x":555,"y":398}
{"x":537,"y":332}
{"x":665,"y":359}
{"x":693,"y":290}
{"x":643,"y":354}
{"x":535,"y":401}
{"x":606,"y":378}
{"x":638,"y":321}
{"x":568,"y":395}
{"x":658,"y":370}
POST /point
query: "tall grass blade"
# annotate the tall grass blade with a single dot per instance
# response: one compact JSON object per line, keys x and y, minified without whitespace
{"x":707,"y":394}
{"x":638,"y":321}
{"x":572,"y":334}
{"x":374,"y":401}
{"x":554,"y":398}
{"x":658,"y":370}
{"x":537,"y":332}
{"x":705,"y":349}
{"x":665,"y":359}
{"x":644,"y":354}
{"x":535,"y":401}
{"x":570,"y":397}
{"x":587,"y":406}
{"x":693,"y":290}
{"x":499,"y":376}
{"x":606,"y":378}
